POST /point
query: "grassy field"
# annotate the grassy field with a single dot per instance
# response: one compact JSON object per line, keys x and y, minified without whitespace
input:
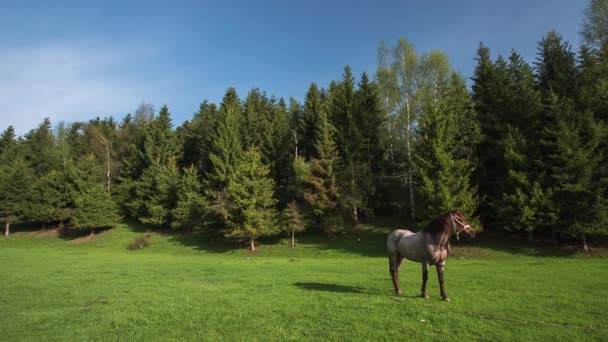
{"x":184,"y":287}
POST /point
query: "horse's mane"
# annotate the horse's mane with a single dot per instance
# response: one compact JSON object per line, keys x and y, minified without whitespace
{"x":438,"y":225}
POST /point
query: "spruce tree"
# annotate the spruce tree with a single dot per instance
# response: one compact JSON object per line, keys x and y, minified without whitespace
{"x":294,"y":221}
{"x":349,"y":141}
{"x":16,"y":179}
{"x":321,"y":191}
{"x":309,"y":121}
{"x":444,"y":156}
{"x":156,"y":194}
{"x":191,"y":208}
{"x":93,"y":206}
{"x":251,"y":196}
{"x":577,"y":195}
{"x":225,"y":152}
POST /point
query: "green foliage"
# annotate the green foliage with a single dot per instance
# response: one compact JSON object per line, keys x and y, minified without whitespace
{"x":321,"y":191}
{"x":595,"y":24}
{"x":251,"y":196}
{"x":139,"y":242}
{"x":309,"y":120}
{"x":191,"y":208}
{"x":293,"y":219}
{"x":444,"y":157}
{"x":577,"y":195}
{"x":16,"y":179}
{"x":93,"y":206}
{"x":156,"y":194}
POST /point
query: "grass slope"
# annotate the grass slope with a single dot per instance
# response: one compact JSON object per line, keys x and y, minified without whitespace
{"x":186,"y":288}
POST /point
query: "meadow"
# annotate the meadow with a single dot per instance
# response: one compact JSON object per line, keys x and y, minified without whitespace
{"x":187,"y":287}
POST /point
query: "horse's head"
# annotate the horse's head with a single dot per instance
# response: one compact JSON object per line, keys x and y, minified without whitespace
{"x":460,"y":224}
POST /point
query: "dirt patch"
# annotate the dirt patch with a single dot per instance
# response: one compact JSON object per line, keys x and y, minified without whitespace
{"x":51,"y":232}
{"x":88,"y":238}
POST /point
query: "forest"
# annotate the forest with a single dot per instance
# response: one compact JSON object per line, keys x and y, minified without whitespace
{"x":518,"y":147}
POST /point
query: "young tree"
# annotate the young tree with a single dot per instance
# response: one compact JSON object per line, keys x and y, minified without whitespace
{"x":294,"y":221}
{"x":251,"y":195}
{"x":93,"y":206}
{"x":191,"y":208}
{"x":156,"y":194}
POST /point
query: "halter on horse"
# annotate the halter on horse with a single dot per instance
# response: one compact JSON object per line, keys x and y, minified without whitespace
{"x":430,"y":246}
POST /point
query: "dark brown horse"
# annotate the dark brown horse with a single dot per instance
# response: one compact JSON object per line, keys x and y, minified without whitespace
{"x":430,"y":246}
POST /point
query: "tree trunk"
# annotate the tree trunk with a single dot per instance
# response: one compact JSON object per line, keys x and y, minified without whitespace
{"x":293,"y":239}
{"x":530,"y":235}
{"x":353,"y":189}
{"x":410,"y":171}
{"x":584,"y":241}
{"x":92,"y":231}
{"x":7,"y":229}
{"x":252,"y":246}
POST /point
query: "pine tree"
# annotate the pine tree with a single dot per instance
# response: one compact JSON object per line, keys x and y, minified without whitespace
{"x":93,"y":206}
{"x":444,"y":156}
{"x":309,"y":121}
{"x":7,"y":139}
{"x":225,"y":152}
{"x":556,"y":67}
{"x":251,"y":195}
{"x":578,"y":198}
{"x":156,"y":194}
{"x":195,"y":137}
{"x":40,"y":145}
{"x":321,"y":191}
{"x":492,"y":91}
{"x":16,"y":179}
{"x":191,"y":208}
{"x":294,"y":221}
{"x":349,"y":140}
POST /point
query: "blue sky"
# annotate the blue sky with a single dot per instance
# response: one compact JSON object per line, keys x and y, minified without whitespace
{"x":76,"y":60}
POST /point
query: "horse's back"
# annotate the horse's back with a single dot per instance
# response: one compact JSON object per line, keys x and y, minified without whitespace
{"x":393,"y":238}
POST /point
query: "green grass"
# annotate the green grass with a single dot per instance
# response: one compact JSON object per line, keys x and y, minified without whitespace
{"x":185,"y":287}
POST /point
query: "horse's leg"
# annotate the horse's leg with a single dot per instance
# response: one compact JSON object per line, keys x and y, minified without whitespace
{"x":440,"y":267}
{"x":425,"y":277}
{"x":394,"y":262}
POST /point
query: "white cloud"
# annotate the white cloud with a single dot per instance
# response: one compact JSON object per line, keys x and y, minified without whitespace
{"x":68,"y":83}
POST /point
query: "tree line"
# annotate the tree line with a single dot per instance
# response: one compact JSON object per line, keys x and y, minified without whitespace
{"x":523,"y":149}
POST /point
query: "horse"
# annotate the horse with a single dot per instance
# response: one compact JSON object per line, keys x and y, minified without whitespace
{"x":430,"y":246}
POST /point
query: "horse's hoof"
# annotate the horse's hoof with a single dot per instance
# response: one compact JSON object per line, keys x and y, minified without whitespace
{"x":446,"y":299}
{"x":425,"y":296}
{"x":398,"y":292}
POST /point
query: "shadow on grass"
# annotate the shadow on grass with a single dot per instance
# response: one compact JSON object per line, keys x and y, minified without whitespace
{"x":204,"y":242}
{"x":330,"y":287}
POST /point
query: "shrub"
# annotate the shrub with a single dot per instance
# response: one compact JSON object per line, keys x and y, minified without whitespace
{"x":139,"y":242}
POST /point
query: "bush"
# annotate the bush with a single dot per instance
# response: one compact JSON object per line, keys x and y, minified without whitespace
{"x":139,"y":242}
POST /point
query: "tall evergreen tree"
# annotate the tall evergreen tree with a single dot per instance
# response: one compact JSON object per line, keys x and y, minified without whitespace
{"x":577,"y":195}
{"x":93,"y":206}
{"x":40,"y":148}
{"x":309,"y":121}
{"x":225,"y":152}
{"x":321,"y":191}
{"x":16,"y":179}
{"x":251,"y":195}
{"x":444,"y":156}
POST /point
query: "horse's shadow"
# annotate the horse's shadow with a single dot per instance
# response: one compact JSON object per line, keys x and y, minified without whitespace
{"x":326,"y":287}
